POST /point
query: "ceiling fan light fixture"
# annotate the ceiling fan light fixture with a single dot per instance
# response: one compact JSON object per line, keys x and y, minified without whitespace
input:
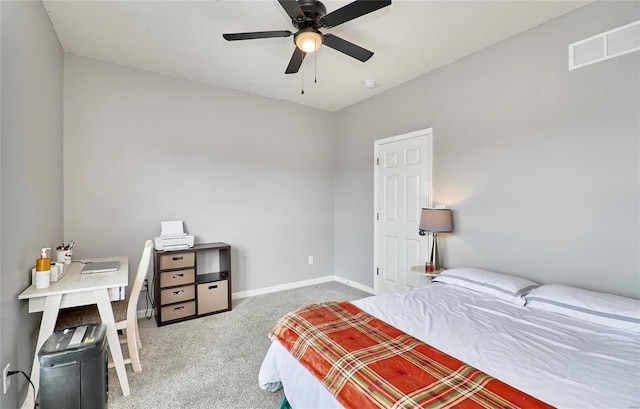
{"x":308,"y":40}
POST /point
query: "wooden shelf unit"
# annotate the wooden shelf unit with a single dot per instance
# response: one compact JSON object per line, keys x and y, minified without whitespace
{"x":184,"y":290}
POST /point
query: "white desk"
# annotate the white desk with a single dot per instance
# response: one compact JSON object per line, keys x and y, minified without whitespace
{"x":75,"y":289}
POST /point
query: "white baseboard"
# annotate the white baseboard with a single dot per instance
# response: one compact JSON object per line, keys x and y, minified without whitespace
{"x":290,"y":286}
{"x":354,"y":284}
{"x":298,"y":284}
{"x":281,"y":287}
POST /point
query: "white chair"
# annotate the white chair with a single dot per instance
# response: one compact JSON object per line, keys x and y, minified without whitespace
{"x":124,"y":312}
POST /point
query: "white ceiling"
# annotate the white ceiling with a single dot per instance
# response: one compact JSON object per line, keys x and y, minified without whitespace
{"x":184,"y":39}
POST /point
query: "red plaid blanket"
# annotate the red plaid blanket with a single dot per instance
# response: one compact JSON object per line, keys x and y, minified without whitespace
{"x":366,"y":363}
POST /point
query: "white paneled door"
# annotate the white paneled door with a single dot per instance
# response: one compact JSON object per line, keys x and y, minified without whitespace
{"x":403,"y":188}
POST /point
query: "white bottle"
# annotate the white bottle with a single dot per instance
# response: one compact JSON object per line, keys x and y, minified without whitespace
{"x":43,"y":270}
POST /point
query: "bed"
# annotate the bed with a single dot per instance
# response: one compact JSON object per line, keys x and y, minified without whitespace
{"x":565,"y":346}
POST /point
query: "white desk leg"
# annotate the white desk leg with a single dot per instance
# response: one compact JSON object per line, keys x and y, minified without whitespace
{"x":47,"y":325}
{"x":106,"y":314}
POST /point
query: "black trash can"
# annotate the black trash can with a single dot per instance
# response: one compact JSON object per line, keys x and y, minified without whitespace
{"x":73,"y":369}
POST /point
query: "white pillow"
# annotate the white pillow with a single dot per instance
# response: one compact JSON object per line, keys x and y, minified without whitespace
{"x":503,"y":286}
{"x":606,"y":309}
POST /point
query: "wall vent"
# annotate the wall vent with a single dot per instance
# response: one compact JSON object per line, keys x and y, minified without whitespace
{"x":610,"y":44}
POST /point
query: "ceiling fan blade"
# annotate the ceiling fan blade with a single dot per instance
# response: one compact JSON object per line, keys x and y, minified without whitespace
{"x":292,"y":8}
{"x":296,"y":61}
{"x":256,"y":34}
{"x":346,"y":47}
{"x":353,"y":10}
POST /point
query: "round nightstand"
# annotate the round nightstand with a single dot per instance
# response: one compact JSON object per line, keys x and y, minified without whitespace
{"x":430,"y":274}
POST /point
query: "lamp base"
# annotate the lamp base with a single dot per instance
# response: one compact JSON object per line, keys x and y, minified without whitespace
{"x":435,"y":259}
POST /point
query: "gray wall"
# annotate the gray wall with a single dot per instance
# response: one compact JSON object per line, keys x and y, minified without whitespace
{"x":31,"y":173}
{"x":540,"y":164}
{"x":250,"y":171}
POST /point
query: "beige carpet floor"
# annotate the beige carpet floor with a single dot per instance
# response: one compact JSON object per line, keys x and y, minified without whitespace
{"x":213,"y":362}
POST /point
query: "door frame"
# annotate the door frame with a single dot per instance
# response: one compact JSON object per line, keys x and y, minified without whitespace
{"x":428,"y":132}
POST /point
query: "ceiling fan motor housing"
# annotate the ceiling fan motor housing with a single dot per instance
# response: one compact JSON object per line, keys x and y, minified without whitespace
{"x":313,"y":13}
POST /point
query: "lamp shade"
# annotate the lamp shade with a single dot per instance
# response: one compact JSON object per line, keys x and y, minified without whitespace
{"x":436,"y":220}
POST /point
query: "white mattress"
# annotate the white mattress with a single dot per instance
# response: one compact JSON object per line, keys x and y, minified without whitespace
{"x":560,"y":360}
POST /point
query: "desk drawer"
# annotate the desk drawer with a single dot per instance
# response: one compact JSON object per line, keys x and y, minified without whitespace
{"x":180,"y":277}
{"x":173,"y":312}
{"x":180,"y":260}
{"x":213,"y":297}
{"x":177,"y":294}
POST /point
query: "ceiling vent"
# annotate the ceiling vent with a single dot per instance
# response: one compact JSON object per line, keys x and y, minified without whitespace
{"x":610,"y":44}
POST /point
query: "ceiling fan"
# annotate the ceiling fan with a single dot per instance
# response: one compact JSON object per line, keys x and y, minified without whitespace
{"x":308,"y":16}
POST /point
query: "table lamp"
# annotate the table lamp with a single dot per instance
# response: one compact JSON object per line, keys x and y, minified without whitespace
{"x":435,"y":221}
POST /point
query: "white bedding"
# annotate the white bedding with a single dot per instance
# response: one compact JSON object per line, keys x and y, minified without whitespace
{"x":560,"y":360}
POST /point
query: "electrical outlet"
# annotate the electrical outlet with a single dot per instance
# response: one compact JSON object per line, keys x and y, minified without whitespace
{"x":310,"y":259}
{"x":6,"y":381}
{"x":145,"y":287}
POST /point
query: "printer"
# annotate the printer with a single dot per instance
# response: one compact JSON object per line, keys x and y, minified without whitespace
{"x":172,"y":237}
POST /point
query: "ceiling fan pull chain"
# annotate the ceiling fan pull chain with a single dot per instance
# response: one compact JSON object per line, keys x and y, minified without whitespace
{"x":315,"y":64}
{"x":302,"y":80}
